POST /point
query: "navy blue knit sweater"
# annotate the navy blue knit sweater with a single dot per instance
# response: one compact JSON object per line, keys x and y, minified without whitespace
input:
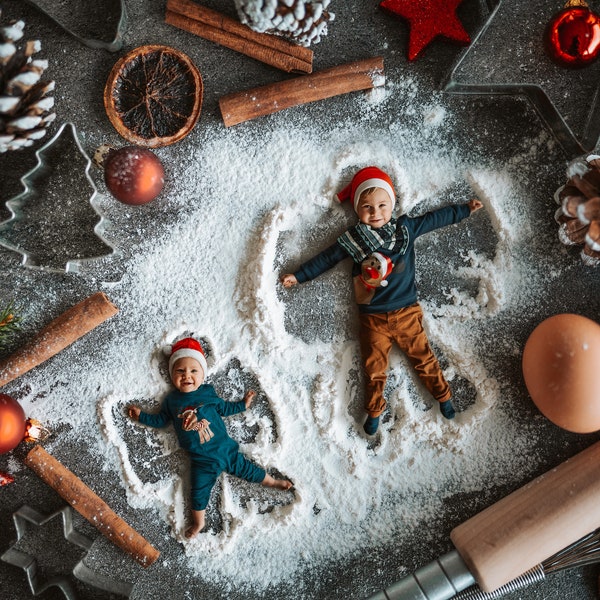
{"x":401,"y":290}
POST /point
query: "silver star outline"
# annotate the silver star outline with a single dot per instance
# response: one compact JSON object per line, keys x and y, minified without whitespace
{"x":507,"y":57}
{"x":28,"y":563}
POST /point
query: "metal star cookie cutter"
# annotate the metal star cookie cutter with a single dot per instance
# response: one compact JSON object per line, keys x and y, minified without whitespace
{"x":112,"y":46}
{"x":28,"y":563}
{"x":507,"y":58}
{"x":39,"y":228}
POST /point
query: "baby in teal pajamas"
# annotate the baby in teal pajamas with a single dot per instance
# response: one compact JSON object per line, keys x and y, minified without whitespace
{"x":195,"y":411}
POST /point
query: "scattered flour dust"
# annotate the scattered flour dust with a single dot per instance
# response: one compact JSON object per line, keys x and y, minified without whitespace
{"x":214,"y":273}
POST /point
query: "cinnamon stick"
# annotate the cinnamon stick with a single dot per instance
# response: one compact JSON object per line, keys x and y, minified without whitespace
{"x":57,"y":335}
{"x":257,"y":102}
{"x":221,"y":29}
{"x":90,"y":506}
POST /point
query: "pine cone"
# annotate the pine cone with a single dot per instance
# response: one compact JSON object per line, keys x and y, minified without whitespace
{"x":303,"y":21}
{"x":24,"y":104}
{"x":579,"y":212}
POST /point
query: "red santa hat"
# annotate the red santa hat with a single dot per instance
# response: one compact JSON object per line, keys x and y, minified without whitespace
{"x":386,"y":266}
{"x":363,"y":180}
{"x":186,"y":348}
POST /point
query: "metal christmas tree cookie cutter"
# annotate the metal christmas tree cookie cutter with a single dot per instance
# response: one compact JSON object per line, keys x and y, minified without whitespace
{"x":29,"y":564}
{"x":60,"y":183}
{"x":112,"y":46}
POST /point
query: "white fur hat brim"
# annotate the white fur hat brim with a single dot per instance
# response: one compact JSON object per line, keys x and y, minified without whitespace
{"x":187,"y":353}
{"x":371,"y":183}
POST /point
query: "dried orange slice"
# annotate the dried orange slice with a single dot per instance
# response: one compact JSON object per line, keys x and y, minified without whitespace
{"x":153,"y":96}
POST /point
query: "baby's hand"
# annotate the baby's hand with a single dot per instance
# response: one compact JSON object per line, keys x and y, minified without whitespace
{"x":249,"y":398}
{"x":288,"y":280}
{"x":189,"y":420}
{"x":475,"y":205}
{"x":134,"y":412}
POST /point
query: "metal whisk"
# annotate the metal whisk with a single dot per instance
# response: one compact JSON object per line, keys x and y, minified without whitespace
{"x":585,"y":551}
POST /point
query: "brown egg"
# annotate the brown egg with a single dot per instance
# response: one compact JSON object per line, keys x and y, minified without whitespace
{"x":561,"y":367}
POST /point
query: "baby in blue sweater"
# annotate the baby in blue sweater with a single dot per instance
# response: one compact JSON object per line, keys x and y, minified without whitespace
{"x":196,"y":412}
{"x":383,"y":274}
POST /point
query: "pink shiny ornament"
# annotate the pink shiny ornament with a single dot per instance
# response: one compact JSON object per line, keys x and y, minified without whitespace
{"x":12,"y":423}
{"x":572,"y":37}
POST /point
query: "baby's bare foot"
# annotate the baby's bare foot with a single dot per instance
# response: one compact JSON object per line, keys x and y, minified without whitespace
{"x":197,"y":525}
{"x":193,"y":531}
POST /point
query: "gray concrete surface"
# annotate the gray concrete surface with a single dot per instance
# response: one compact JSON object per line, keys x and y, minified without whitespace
{"x":494,"y":126}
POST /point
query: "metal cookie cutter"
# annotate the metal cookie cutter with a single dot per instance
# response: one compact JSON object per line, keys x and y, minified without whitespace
{"x":48,"y":226}
{"x":28,"y":563}
{"x":112,"y":46}
{"x":566,"y":100}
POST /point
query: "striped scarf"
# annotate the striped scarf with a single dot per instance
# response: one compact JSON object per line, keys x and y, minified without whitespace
{"x":361,"y":240}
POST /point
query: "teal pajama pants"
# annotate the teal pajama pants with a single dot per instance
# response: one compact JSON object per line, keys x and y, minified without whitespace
{"x":204,"y":475}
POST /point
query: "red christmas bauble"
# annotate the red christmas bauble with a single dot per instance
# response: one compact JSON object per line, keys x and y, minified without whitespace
{"x":12,"y":423}
{"x":133,"y":175}
{"x":572,"y":37}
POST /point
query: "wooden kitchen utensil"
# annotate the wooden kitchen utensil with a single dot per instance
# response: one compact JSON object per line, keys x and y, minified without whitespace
{"x":514,"y":535}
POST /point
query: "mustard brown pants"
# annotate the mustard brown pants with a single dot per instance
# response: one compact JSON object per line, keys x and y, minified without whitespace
{"x":405,"y":327}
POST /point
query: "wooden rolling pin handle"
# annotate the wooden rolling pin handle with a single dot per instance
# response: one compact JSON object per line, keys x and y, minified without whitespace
{"x":533,"y":523}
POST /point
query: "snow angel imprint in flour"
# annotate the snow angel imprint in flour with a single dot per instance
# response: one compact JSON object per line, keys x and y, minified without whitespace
{"x":382,"y":249}
{"x":195,"y":411}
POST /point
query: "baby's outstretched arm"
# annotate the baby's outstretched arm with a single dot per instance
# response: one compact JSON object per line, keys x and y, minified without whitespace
{"x":134,"y":412}
{"x":288,"y":280}
{"x":249,"y":398}
{"x":475,"y":205}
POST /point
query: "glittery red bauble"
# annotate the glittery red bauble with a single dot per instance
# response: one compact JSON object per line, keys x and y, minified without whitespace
{"x":572,"y":37}
{"x":133,"y":175}
{"x":12,"y":423}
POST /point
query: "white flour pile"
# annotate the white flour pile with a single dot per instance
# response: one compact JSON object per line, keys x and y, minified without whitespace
{"x":249,"y":205}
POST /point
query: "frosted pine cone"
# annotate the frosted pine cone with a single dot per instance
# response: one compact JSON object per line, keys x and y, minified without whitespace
{"x":579,"y":212}
{"x":303,"y":21}
{"x":24,"y":104}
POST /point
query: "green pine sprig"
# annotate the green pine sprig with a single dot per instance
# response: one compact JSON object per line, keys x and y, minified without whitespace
{"x":10,"y":322}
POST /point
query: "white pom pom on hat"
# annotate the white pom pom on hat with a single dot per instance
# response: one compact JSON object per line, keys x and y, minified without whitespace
{"x":185,"y":348}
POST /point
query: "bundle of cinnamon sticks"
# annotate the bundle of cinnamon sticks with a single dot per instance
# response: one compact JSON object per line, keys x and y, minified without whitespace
{"x":309,"y":87}
{"x":223,"y":30}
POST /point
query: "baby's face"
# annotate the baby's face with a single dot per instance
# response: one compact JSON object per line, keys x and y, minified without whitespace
{"x":375,"y":209}
{"x":187,"y":374}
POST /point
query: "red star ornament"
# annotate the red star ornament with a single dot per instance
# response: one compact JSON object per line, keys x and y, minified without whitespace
{"x":428,"y":19}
